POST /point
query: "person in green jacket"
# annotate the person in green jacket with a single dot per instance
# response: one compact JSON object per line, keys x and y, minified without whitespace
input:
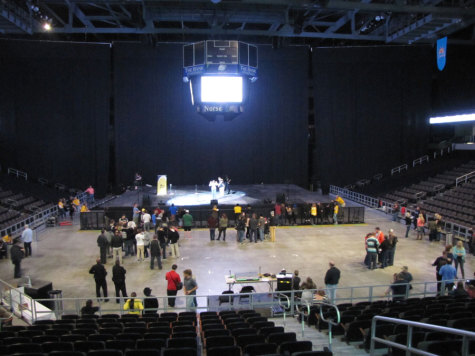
{"x":187,"y":223}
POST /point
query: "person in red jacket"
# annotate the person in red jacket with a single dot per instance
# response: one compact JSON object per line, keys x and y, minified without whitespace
{"x":173,"y":278}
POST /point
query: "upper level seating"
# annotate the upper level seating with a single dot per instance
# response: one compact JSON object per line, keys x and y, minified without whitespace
{"x":430,"y":186}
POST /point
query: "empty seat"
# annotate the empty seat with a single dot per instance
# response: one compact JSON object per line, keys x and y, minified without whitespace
{"x":86,"y":346}
{"x":218,"y":341}
{"x":15,"y":340}
{"x":290,"y":347}
{"x":182,"y":351}
{"x":57,"y":346}
{"x":30,"y":333}
{"x":104,"y":353}
{"x":244,"y":331}
{"x":279,"y":338}
{"x":129,"y":336}
{"x":66,"y":353}
{"x":143,"y":352}
{"x":224,"y":350}
{"x":44,"y":338}
{"x":260,"y":349}
{"x":211,"y":333}
{"x":187,"y":342}
{"x":100,"y":337}
{"x":269,"y":330}
{"x":73,"y":337}
{"x":151,"y":344}
{"x":244,"y":340}
{"x":24,"y":348}
{"x":120,"y":344}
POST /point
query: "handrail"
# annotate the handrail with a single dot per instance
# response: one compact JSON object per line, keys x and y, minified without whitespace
{"x":306,"y":305}
{"x":17,"y":173}
{"x":466,"y":335}
{"x":464,"y":178}
{"x":420,"y":160}
{"x":35,"y":219}
{"x":399,"y":169}
{"x":282,"y":295}
{"x":330,"y":322}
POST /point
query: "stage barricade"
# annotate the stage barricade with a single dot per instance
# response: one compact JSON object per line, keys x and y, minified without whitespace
{"x":98,"y":219}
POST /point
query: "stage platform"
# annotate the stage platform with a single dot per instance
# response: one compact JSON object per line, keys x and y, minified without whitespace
{"x":200,"y":195}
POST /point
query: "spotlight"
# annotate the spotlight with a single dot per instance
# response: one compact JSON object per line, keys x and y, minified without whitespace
{"x":47,"y":26}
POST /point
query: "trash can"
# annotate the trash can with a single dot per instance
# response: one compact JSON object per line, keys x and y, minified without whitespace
{"x":272,"y":233}
{"x":448,"y":238}
{"x":57,"y":302}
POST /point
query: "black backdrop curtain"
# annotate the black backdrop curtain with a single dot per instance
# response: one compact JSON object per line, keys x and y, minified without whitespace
{"x":158,"y":131}
{"x":371,"y":106}
{"x":54,"y":110}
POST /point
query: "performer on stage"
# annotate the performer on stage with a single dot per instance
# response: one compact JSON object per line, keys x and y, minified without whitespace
{"x":221,"y":186}
{"x":213,"y":184}
{"x":137,"y":180}
{"x":227,"y":186}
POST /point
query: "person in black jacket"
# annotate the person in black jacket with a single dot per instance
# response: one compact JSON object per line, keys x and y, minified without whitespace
{"x":150,"y":303}
{"x":332,"y":277}
{"x":103,"y":245}
{"x":155,"y":252}
{"x":118,"y":277}
{"x":116,"y":243}
{"x":88,"y":309}
{"x":163,"y":239}
{"x":100,"y":274}
{"x":16,"y":255}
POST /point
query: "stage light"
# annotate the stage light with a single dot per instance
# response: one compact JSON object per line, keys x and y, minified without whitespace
{"x":221,"y":89}
{"x":47,"y":26}
{"x":452,"y":119}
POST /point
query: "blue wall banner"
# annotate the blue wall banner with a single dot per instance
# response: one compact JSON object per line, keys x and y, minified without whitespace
{"x":441,"y":53}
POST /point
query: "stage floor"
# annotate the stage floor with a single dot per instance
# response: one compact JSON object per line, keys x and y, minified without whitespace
{"x":201,"y":195}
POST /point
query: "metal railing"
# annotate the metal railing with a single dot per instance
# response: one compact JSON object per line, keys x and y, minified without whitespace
{"x":399,"y":169}
{"x":451,"y":227}
{"x":288,"y":300}
{"x":17,"y":173}
{"x":464,"y":178}
{"x":420,"y":160}
{"x":34,"y":220}
{"x":408,"y":347}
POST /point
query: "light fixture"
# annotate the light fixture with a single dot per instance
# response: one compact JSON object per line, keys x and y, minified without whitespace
{"x":47,"y":26}
{"x":452,"y":119}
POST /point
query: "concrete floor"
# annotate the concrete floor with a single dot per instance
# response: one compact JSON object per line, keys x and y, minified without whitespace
{"x":64,"y":255}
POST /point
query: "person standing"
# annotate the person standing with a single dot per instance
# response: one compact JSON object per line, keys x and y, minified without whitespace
{"x":296,"y":280}
{"x":392,"y":247}
{"x":103,"y":246}
{"x":129,"y":241}
{"x":399,"y":288}
{"x":116,"y":243}
{"x":253,"y":225}
{"x":100,"y":274}
{"x":187,"y":223}
{"x":174,"y":236}
{"x":118,"y":277}
{"x":27,"y":238}
{"x":90,"y":194}
{"x":449,"y":274}
{"x":420,"y":227}
{"x":189,"y":287}
{"x":223,"y":225}
{"x":332,"y":277}
{"x":459,"y":257}
{"x":140,"y":245}
{"x":261,"y":225}
{"x":407,"y":276}
{"x":237,"y":211}
{"x":173,"y":279}
{"x":134,"y":306}
{"x":385,"y":247}
{"x":336,"y":209}
{"x":438,"y":264}
{"x":212,"y":224}
{"x":155,"y":252}
{"x":339,"y":200}
{"x":150,"y":302}
{"x":16,"y":255}
{"x":395,"y":211}
{"x":372,"y":245}
{"x":163,"y":239}
{"x":313,"y":213}
{"x":227,"y":184}
{"x":408,"y":220}
{"x":136,"y":214}
{"x":146,"y":218}
{"x":241,"y":227}
{"x":172,"y":210}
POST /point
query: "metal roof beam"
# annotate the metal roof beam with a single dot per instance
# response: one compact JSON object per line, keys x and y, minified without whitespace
{"x":75,"y":10}
{"x":17,"y":17}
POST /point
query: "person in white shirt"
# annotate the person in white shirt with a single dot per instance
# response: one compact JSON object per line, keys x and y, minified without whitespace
{"x":146,"y":218}
{"x":27,"y":238}
{"x":140,"y":245}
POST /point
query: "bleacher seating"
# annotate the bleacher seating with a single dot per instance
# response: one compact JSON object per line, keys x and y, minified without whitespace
{"x":153,"y":335}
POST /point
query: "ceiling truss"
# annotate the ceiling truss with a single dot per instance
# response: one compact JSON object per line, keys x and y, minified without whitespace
{"x":260,"y":21}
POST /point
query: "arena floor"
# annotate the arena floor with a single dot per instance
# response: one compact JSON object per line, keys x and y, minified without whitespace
{"x":64,"y":255}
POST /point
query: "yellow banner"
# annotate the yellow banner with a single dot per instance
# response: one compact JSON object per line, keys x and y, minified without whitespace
{"x":161,"y":185}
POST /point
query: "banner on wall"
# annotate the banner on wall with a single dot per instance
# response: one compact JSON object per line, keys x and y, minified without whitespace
{"x":441,"y":53}
{"x":161,"y":184}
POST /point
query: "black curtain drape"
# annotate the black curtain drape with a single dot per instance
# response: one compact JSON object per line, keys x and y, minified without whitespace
{"x":371,"y":108}
{"x":54,"y":110}
{"x":157,"y":130}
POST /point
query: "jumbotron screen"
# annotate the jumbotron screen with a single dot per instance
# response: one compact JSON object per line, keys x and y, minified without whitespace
{"x":221,"y":89}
